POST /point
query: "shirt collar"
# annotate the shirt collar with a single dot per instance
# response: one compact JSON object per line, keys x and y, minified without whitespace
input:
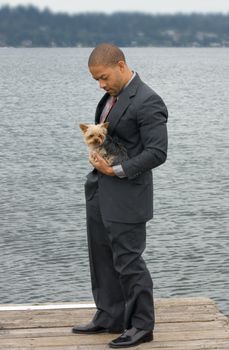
{"x":127,"y":84}
{"x":133,"y":76}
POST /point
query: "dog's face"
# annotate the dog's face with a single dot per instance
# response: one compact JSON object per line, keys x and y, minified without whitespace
{"x":94,"y":135}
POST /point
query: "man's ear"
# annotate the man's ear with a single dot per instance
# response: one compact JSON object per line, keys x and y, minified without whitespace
{"x":105,"y":125}
{"x":122,"y":65}
{"x":84,"y":127}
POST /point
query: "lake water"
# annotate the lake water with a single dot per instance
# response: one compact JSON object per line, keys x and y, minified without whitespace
{"x":44,"y":95}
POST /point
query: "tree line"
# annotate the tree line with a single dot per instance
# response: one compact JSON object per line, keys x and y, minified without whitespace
{"x":27,"y":26}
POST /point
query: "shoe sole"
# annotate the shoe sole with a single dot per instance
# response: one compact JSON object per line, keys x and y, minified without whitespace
{"x":97,"y":332}
{"x":147,"y":339}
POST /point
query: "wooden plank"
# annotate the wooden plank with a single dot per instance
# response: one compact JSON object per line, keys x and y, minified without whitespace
{"x":142,"y":347}
{"x":159,"y":328}
{"x":186,"y":318}
{"x":193,"y":335}
{"x":187,"y":345}
{"x":158,"y":302}
{"x":184,"y":301}
{"x":189,"y":326}
{"x":52,"y":341}
{"x":53,"y":306}
{"x":43,"y":322}
{"x":79,"y":311}
{"x":70,"y":320}
{"x":76,"y":314}
{"x":155,"y":345}
{"x":181,"y":324}
{"x":76,"y":339}
{"x":96,"y":347}
{"x":71,"y":347}
{"x":187,"y":308}
{"x":59,"y":318}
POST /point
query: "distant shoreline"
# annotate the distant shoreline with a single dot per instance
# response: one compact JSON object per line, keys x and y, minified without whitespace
{"x":27,"y":26}
{"x":124,"y":47}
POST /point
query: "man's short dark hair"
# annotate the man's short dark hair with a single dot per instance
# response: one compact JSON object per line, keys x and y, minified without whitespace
{"x":106,"y":55}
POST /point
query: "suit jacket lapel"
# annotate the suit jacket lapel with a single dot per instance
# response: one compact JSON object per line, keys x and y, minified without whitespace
{"x":100,"y":107}
{"x":117,"y":111}
{"x":123,"y":103}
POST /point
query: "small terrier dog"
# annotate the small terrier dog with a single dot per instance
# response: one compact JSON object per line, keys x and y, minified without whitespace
{"x":98,"y":140}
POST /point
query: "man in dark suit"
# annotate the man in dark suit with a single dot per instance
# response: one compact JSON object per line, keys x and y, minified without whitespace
{"x":119,"y":201}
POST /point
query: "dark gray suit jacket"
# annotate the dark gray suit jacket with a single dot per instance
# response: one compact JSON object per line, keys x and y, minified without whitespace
{"x":138,"y":120}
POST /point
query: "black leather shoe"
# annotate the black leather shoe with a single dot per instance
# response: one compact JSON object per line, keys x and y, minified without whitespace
{"x":91,"y":328}
{"x":131,"y":337}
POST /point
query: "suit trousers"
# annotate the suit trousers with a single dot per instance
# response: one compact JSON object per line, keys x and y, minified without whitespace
{"x":121,"y":283}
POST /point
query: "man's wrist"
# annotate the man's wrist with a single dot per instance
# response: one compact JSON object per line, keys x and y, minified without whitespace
{"x":118,"y":171}
{"x":110,"y":171}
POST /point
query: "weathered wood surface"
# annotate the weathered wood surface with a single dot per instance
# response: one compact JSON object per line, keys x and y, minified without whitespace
{"x":181,"y":324}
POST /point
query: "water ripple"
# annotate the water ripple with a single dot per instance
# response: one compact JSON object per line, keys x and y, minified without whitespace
{"x":44,"y":95}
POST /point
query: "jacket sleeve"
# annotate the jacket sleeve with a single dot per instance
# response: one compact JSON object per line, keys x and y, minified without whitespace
{"x":152,"y":118}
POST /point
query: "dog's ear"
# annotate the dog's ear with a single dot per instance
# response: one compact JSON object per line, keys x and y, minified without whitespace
{"x":84,"y":127}
{"x":105,"y":125}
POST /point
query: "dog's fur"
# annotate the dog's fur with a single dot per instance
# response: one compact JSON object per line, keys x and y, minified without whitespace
{"x":98,"y":140}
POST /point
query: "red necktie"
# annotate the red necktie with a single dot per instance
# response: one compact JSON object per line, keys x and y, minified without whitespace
{"x":108,"y":107}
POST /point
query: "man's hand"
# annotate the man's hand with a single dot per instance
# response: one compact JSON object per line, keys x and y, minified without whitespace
{"x":100,"y":164}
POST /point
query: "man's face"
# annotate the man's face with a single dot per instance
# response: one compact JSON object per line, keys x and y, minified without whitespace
{"x":110,"y":78}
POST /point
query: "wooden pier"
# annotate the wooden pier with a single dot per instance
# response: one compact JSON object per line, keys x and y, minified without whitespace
{"x":181,"y":324}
